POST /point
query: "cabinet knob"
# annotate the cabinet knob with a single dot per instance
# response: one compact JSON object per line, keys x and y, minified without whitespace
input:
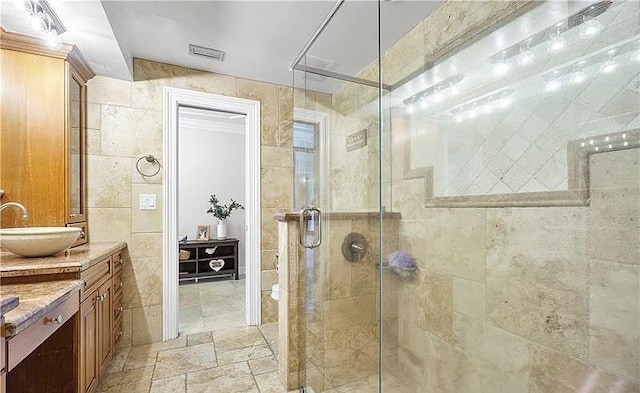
{"x":82,"y":235}
{"x":119,"y":261}
{"x":119,"y":284}
{"x":57,"y":319}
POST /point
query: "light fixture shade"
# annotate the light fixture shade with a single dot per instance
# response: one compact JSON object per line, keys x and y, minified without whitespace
{"x":42,"y":20}
{"x":526,"y":57}
{"x":556,"y":44}
{"x":501,"y":68}
{"x":590,"y":28}
{"x":53,"y":40}
{"x":577,"y":77}
{"x":37,"y":23}
{"x":552,"y":86}
{"x":608,"y":67}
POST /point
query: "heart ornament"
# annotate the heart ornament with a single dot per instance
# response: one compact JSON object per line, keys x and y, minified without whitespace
{"x":216,"y":264}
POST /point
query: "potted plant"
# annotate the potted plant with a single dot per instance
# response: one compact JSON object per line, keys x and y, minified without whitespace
{"x":222,"y":212}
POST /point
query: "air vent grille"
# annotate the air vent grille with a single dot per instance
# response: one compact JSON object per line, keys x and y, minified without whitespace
{"x":320,"y":63}
{"x":209,"y":53}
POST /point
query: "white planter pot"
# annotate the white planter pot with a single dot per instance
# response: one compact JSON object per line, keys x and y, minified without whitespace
{"x":222,"y":230}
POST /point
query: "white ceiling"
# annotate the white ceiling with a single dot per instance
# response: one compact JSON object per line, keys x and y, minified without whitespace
{"x":87,"y":27}
{"x":260,"y":38}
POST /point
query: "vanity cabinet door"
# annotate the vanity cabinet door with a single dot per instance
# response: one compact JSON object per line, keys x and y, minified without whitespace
{"x":89,"y":319}
{"x":76,"y":151}
{"x":105,"y":321}
{"x":3,"y":375}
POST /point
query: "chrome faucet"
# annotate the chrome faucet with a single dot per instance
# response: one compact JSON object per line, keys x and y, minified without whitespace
{"x":25,"y":213}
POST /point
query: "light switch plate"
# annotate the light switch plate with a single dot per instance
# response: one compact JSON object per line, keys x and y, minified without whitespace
{"x":147,"y":201}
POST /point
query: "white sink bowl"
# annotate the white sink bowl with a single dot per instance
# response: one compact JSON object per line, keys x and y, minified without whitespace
{"x":38,"y":241}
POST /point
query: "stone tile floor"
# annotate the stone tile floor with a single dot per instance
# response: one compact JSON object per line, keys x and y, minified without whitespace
{"x":211,"y":305}
{"x":220,"y":361}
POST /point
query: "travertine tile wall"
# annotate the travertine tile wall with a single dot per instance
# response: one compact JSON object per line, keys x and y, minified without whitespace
{"x":124,"y":123}
{"x":540,"y":299}
{"x":526,"y":299}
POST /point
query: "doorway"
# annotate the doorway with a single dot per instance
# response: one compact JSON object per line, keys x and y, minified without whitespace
{"x":207,"y":292}
{"x":211,"y":181}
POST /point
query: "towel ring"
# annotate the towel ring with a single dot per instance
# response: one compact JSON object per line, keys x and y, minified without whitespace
{"x":150,"y":158}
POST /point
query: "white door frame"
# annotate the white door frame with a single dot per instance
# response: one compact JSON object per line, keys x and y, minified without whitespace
{"x":173,"y":98}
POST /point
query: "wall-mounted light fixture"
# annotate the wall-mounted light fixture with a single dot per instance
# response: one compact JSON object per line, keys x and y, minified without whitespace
{"x":434,"y":93}
{"x":42,"y":20}
{"x":484,"y":105}
{"x":603,"y":62}
{"x":554,"y":38}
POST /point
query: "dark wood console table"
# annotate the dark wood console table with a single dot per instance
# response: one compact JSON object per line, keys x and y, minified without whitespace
{"x":197,"y":265}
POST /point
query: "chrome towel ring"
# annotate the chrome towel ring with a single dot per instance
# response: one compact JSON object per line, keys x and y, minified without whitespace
{"x":151,"y":159}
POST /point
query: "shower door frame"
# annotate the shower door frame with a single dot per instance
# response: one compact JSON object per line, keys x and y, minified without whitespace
{"x":324,"y":196}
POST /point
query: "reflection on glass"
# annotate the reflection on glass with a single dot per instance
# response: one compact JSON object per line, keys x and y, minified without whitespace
{"x":304,"y":164}
{"x":75,"y":150}
{"x":561,"y":73}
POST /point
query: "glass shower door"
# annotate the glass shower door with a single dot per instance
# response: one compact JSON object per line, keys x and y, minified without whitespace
{"x":337,"y":142}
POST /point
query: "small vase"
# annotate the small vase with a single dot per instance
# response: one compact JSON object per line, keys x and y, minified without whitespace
{"x":222,"y":229}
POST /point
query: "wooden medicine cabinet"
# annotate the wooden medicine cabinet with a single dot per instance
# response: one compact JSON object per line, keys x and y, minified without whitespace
{"x":43,"y":132}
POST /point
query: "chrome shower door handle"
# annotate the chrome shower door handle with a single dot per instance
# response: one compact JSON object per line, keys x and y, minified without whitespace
{"x":307,"y":215}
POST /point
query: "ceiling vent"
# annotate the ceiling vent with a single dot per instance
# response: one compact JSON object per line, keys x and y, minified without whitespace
{"x":320,"y":63}
{"x":209,"y":53}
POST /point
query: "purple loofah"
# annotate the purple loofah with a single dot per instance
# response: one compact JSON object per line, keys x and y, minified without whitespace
{"x":402,"y":259}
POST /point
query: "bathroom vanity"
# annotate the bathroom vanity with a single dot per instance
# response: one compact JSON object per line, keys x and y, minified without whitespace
{"x":68,"y":318}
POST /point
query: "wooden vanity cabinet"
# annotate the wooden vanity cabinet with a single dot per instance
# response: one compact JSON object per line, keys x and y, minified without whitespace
{"x":88,"y":356}
{"x":96,"y":322}
{"x":3,"y":357}
{"x":117,"y":304}
{"x":43,"y":132}
{"x":105,"y":328}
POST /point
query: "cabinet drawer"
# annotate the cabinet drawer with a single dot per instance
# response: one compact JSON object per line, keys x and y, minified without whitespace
{"x":95,"y":276}
{"x":118,"y":261}
{"x":117,"y":331}
{"x":118,"y":307}
{"x":84,"y":236}
{"x":117,"y":284}
{"x":20,"y":346}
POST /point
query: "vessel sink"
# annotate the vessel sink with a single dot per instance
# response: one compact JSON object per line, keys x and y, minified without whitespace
{"x":38,"y":241}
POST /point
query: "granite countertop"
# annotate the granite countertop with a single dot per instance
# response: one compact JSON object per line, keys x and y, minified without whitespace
{"x":35,"y":301}
{"x":69,"y":261}
{"x":7,"y":303}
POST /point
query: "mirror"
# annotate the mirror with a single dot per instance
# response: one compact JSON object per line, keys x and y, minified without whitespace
{"x":75,"y":150}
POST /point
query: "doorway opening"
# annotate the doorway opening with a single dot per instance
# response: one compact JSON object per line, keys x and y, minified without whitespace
{"x":211,"y":147}
{"x":211,"y":260}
